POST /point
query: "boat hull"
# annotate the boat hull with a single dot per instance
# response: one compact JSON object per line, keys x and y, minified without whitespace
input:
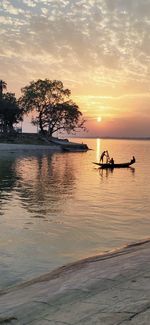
{"x":112,"y":166}
{"x":68,"y":146}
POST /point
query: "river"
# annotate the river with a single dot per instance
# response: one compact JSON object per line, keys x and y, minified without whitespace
{"x":57,"y":208}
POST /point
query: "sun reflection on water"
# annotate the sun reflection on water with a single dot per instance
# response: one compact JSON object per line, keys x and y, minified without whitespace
{"x":98,"y":149}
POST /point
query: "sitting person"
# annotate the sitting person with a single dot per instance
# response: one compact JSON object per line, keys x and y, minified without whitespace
{"x":133,"y":160}
{"x":111,"y":161}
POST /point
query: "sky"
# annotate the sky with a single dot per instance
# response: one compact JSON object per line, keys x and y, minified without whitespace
{"x":100,"y":49}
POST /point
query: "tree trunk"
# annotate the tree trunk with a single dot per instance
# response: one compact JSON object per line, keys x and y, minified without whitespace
{"x":40,"y":123}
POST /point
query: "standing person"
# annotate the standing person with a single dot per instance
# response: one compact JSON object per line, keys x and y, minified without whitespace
{"x":107,"y":156}
{"x":102,"y":156}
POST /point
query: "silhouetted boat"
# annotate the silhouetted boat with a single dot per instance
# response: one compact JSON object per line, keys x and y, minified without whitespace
{"x":74,"y":149}
{"x":122,"y":165}
{"x":66,"y":145}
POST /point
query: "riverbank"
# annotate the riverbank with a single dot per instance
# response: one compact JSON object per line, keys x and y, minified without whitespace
{"x":26,"y":142}
{"x":33,"y":141}
{"x":108,"y":289}
{"x":10,"y":147}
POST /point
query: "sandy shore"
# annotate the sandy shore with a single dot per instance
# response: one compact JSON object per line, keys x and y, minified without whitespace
{"x":110,"y":289}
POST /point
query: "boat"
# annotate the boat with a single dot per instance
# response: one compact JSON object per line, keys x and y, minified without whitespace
{"x":74,"y":149}
{"x":111,"y":166}
{"x":68,"y":146}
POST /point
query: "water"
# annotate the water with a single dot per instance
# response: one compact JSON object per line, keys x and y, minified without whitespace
{"x":58,"y":208}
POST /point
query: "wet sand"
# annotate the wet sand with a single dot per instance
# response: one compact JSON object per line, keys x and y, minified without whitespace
{"x":108,"y":289}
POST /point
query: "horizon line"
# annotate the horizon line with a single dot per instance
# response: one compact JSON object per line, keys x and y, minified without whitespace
{"x":112,"y":137}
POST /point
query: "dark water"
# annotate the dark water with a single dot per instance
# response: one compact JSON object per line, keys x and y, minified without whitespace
{"x":58,"y":208}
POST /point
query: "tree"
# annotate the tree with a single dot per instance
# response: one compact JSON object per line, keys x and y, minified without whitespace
{"x":3,"y":85}
{"x":55,"y":111}
{"x":10,"y":112}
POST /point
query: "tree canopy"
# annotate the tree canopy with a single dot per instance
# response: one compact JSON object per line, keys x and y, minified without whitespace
{"x":10,"y":113}
{"x":3,"y":85}
{"x":54,"y":109}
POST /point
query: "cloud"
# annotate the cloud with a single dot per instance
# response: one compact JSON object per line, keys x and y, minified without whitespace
{"x":89,"y":32}
{"x":30,"y":3}
{"x":44,"y":11}
{"x":102,"y":45}
{"x":6,"y":6}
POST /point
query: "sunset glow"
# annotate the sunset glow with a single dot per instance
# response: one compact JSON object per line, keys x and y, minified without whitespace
{"x":99,"y":49}
{"x":99,"y":119}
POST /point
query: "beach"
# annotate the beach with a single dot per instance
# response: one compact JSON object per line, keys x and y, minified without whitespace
{"x":108,"y":289}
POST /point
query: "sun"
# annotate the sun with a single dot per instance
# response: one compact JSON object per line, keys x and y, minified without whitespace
{"x":99,"y":119}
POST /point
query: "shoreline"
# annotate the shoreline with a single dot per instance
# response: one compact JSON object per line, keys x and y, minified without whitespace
{"x":12,"y":147}
{"x":82,"y":263}
{"x":113,"y":138}
{"x":75,"y":283}
{"x":58,"y":146}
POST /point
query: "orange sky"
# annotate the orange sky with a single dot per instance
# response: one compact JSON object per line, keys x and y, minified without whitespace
{"x":99,"y":49}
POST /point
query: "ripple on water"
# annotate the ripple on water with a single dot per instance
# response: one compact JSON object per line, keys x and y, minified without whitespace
{"x":58,"y":208}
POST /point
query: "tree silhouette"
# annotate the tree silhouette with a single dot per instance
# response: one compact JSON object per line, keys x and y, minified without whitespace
{"x":3,"y":85}
{"x":54,"y":109}
{"x":10,"y":112}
